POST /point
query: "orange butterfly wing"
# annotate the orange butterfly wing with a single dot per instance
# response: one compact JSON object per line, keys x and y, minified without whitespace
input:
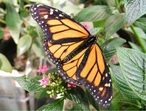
{"x":75,"y":52}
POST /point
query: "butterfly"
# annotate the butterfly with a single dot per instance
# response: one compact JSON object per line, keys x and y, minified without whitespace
{"x":74,"y":51}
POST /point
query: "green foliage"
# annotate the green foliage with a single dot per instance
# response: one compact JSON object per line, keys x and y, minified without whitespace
{"x":24,"y":44}
{"x":133,"y":66}
{"x":94,"y":13}
{"x":134,"y":9}
{"x":78,"y":95}
{"x":114,"y":23}
{"x":109,"y":47}
{"x":42,"y":93}
{"x":129,"y":78}
{"x":121,"y":83}
{"x":1,"y":33}
{"x":106,"y":18}
{"x":56,"y":105}
{"x":141,"y":23}
{"x":5,"y":64}
{"x":13,"y":22}
{"x":29,"y":84}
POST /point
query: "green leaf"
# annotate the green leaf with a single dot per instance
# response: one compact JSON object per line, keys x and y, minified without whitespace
{"x":134,"y":9}
{"x":111,"y":3}
{"x":139,"y":31}
{"x":94,"y":31}
{"x":13,"y":22}
{"x":12,"y":2}
{"x":114,"y":23}
{"x":1,"y":33}
{"x":99,"y":23}
{"x":24,"y":12}
{"x":78,"y":96}
{"x":109,"y":47}
{"x":135,"y":46}
{"x":52,"y":70}
{"x":24,"y":44}
{"x":121,"y":102}
{"x":141,"y":23}
{"x":5,"y":64}
{"x":0,"y":63}
{"x":74,"y":8}
{"x":37,"y":47}
{"x":117,"y":101}
{"x":122,"y":84}
{"x":59,"y":1}
{"x":34,"y":31}
{"x":94,"y":13}
{"x":29,"y":84}
{"x":91,"y":100}
{"x":56,"y":105}
{"x":133,"y":65}
{"x":42,"y":93}
{"x":75,"y":108}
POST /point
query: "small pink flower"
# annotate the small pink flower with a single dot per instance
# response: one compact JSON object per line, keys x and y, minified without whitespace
{"x":44,"y":81}
{"x":43,"y":69}
{"x":86,"y":26}
{"x":71,"y":85}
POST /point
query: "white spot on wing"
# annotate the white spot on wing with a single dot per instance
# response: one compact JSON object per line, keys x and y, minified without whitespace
{"x":110,"y":98}
{"x":106,"y":75}
{"x":60,"y":15}
{"x":34,"y":13}
{"x":51,"y":11}
{"x":45,"y":16}
{"x":34,"y":8}
{"x":107,"y":85}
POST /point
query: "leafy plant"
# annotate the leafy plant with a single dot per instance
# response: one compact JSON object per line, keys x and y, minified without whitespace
{"x":107,"y":18}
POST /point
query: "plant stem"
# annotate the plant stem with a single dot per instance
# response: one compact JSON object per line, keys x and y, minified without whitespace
{"x":139,"y":39}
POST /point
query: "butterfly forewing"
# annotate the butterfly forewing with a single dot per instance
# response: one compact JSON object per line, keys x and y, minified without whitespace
{"x":77,"y":61}
{"x":57,"y":26}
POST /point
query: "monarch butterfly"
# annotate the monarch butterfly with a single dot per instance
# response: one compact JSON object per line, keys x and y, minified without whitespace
{"x":74,"y":51}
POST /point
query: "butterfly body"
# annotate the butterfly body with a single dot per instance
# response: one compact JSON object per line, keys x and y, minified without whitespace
{"x":87,"y":43}
{"x":74,"y":51}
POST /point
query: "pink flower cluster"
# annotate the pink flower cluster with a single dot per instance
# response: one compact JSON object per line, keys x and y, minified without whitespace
{"x":86,"y":26}
{"x":45,"y":79}
{"x":43,"y":69}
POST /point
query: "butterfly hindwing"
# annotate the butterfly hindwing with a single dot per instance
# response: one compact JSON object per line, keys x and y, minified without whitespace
{"x":74,"y":51}
{"x":95,"y":75}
